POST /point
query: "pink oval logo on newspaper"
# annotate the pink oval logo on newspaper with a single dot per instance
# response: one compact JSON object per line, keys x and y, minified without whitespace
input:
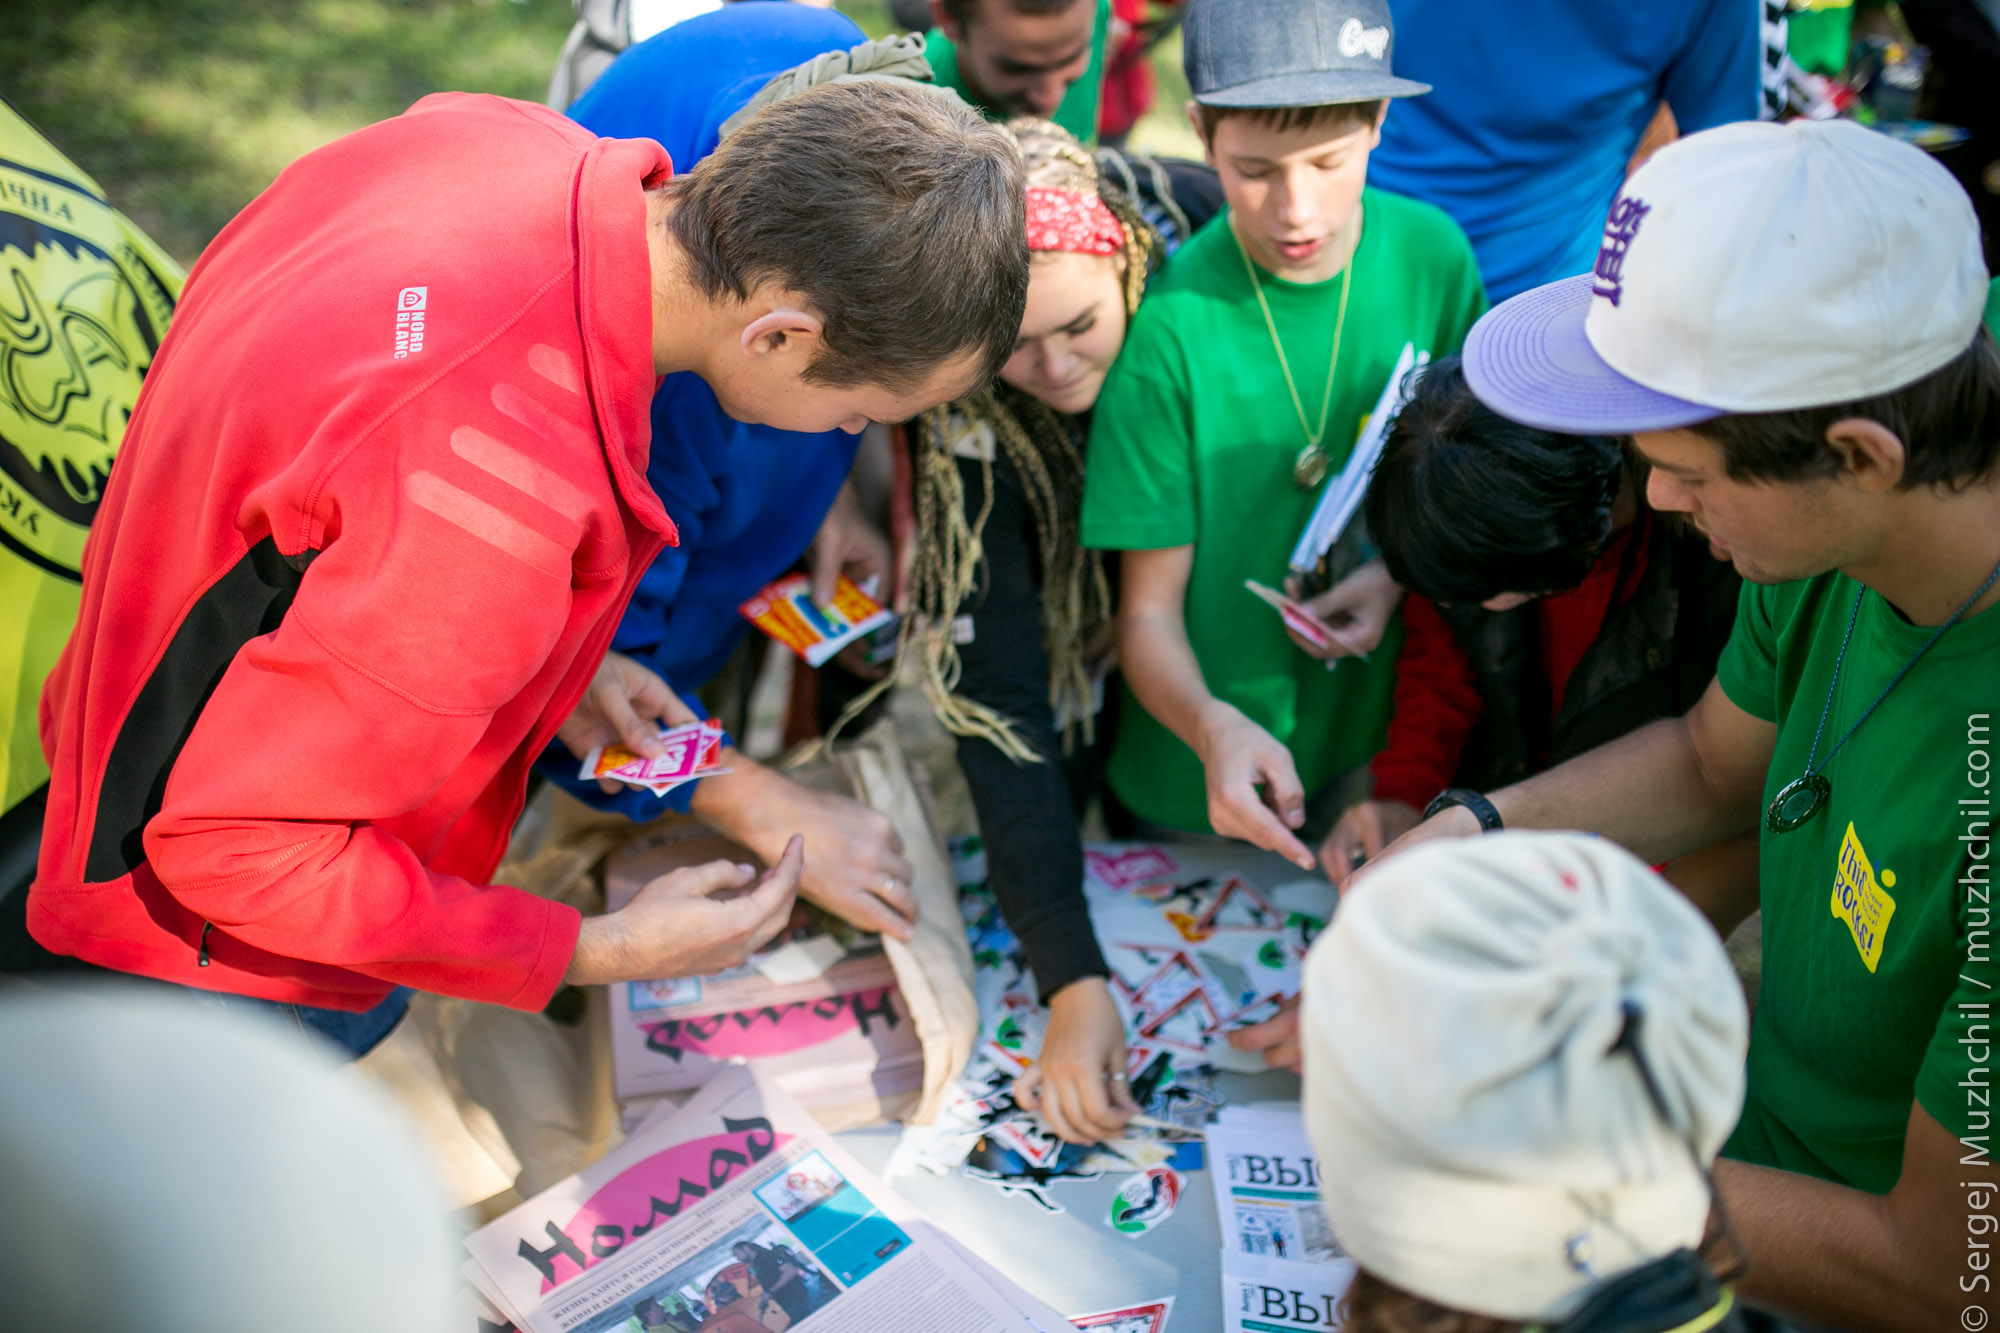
{"x":651,"y":1193}
{"x":774,"y":1029}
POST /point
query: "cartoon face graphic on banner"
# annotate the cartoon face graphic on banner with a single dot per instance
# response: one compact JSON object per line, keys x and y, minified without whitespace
{"x":79,"y":325}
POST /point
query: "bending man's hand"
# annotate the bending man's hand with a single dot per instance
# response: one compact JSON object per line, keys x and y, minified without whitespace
{"x":1357,"y":609}
{"x":1078,"y":1081}
{"x":1277,"y":1037}
{"x":1254,"y":792}
{"x":854,"y":860}
{"x":626,"y":704}
{"x":679,"y":926}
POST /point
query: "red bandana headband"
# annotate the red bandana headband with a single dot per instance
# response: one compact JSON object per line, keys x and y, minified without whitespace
{"x":1068,"y":221}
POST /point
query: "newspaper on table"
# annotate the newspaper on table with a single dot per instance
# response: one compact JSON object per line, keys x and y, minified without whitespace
{"x":1195,"y":951}
{"x":1341,"y":500}
{"x":818,"y":1008}
{"x":735,"y":1207}
{"x":1282,"y":1266}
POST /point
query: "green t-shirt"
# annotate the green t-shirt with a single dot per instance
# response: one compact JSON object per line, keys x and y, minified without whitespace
{"x":1078,"y":112}
{"x":1873,"y":939}
{"x":1193,"y":442}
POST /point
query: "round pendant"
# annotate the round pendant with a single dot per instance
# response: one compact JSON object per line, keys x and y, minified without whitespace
{"x":1310,"y":467}
{"x":1797,"y":802}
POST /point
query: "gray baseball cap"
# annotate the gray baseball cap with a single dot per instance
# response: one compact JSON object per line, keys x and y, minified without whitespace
{"x":1291,"y":52}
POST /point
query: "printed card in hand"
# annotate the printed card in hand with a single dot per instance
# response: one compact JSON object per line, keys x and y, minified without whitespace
{"x":786,"y":611}
{"x":1300,"y":620}
{"x":694,"y":750}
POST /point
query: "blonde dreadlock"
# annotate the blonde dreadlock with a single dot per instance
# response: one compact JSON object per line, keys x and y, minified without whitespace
{"x":1045,"y":448}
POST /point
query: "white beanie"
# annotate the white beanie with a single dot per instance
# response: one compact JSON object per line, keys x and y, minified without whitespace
{"x":1481,"y":1142}
{"x":170,"y":1167}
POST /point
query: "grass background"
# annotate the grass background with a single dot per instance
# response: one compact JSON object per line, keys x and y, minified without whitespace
{"x":184,"y":109}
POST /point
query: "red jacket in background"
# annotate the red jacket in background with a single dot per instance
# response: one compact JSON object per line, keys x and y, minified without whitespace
{"x":378,"y":510}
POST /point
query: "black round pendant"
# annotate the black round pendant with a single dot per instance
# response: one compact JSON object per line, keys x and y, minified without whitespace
{"x":1797,"y":802}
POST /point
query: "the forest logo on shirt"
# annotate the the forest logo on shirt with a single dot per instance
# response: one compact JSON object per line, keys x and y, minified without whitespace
{"x":79,"y":323}
{"x":1861,"y":901}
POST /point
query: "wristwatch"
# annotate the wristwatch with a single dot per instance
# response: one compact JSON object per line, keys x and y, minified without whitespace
{"x":1481,"y":808}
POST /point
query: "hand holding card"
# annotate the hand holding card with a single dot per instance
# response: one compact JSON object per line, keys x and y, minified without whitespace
{"x":688,"y":752}
{"x":1325,"y":640}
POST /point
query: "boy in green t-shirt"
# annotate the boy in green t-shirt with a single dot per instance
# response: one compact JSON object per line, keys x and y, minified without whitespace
{"x":1023,"y":57}
{"x":1809,"y":383}
{"x":1243,"y":383}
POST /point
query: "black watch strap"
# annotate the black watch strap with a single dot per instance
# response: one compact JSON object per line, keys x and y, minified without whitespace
{"x":1481,"y":808}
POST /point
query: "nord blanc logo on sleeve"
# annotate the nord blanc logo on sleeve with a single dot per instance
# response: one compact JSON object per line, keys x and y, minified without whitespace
{"x":410,"y":303}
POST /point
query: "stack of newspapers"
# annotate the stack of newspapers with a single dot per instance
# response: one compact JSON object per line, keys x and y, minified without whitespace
{"x":1282,"y":1266}
{"x":735,"y":1213}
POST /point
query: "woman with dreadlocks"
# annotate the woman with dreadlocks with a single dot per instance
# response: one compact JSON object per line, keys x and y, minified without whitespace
{"x":1010,"y":618}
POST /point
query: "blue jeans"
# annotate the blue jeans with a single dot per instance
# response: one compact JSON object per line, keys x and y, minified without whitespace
{"x":354,"y":1034}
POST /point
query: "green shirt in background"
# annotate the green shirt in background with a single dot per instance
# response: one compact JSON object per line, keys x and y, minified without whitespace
{"x":1818,"y":34}
{"x":1078,"y":112}
{"x":1877,"y":961}
{"x":1993,"y":307}
{"x":1193,"y":442}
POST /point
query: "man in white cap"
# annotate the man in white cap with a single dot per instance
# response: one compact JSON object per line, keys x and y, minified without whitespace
{"x":1787,"y":322}
{"x":169,"y":1167}
{"x":1546,"y":1159}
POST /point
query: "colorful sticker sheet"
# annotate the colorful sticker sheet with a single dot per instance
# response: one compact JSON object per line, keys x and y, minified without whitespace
{"x":786,"y":611}
{"x":1192,"y":956}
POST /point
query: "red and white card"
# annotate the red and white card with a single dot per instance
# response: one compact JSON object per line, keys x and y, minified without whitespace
{"x":694,"y":750}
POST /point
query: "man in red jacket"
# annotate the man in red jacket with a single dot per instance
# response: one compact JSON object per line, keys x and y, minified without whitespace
{"x":382,"y":501}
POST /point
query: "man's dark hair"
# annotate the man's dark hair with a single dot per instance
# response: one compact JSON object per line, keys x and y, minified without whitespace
{"x":1948,"y":421}
{"x":894,"y":211}
{"x":1467,"y":505}
{"x":1331,"y":118}
{"x":962,"y":11}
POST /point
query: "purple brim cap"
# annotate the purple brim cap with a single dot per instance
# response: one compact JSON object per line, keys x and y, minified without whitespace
{"x":1529,"y":360}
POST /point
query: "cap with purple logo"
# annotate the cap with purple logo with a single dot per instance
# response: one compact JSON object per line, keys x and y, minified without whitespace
{"x":1749,"y":268}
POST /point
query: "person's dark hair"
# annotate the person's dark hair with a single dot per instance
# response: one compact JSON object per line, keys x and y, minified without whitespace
{"x":1331,"y":118}
{"x":894,"y":211}
{"x":1948,"y":421}
{"x":1467,"y":505}
{"x":724,"y":1291}
{"x":961,"y":11}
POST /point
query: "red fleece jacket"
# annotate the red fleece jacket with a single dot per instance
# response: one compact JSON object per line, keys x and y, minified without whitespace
{"x":379,"y":508}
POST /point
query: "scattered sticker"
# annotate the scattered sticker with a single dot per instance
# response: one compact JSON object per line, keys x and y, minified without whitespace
{"x":1146,"y":1200}
{"x":1148,"y":1318}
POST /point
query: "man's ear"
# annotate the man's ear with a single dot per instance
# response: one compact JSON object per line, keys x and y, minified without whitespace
{"x":769,"y":333}
{"x":945,"y":23}
{"x":1200,"y":128}
{"x":1871,"y":455}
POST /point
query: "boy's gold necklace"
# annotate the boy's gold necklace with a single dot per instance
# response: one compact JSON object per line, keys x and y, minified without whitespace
{"x":1309,"y":469}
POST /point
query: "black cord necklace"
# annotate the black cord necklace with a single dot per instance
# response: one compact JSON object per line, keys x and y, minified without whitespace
{"x":1799,"y":800}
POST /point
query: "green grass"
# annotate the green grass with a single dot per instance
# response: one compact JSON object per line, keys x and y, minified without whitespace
{"x":184,"y":109}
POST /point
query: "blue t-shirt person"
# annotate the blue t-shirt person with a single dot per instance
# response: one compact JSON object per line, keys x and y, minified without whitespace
{"x":1535,"y":110}
{"x":747,"y":499}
